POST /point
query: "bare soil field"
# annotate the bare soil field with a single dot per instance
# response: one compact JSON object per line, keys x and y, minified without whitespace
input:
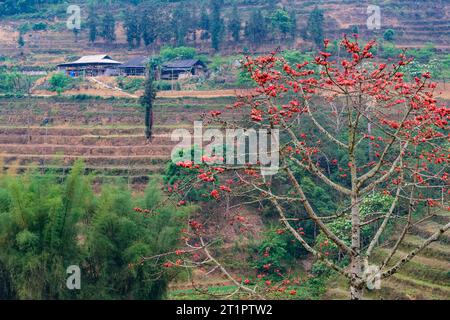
{"x":444,"y":91}
{"x":203,"y":94}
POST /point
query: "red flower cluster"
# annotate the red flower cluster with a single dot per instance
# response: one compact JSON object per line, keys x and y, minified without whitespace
{"x":215,"y":194}
{"x":195,"y":225}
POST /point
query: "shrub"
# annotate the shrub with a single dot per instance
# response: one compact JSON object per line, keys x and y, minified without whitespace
{"x":40,"y":26}
{"x":163,"y":85}
{"x":170,"y":53}
{"x":15,"y":83}
{"x":389,"y":35}
{"x":130,"y":84}
{"x":59,"y":82}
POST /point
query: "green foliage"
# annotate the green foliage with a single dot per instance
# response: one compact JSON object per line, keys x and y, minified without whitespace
{"x":389,"y":35}
{"x":108,"y":31}
{"x":234,"y":25}
{"x":130,"y":84}
{"x":181,"y":23}
{"x":370,"y":207}
{"x":294,"y":57}
{"x":204,"y":19}
{"x":15,"y":83}
{"x":389,"y":50}
{"x":314,"y":28}
{"x":37,"y":234}
{"x":24,"y":28}
{"x":256,"y":28}
{"x":11,"y":7}
{"x":119,"y":239}
{"x":322,"y":200}
{"x":282,"y":21}
{"x":92,"y":22}
{"x":21,"y":41}
{"x":132,"y":29}
{"x":147,"y":102}
{"x":46,"y":226}
{"x":445,"y":70}
{"x":244,"y":79}
{"x":5,"y":200}
{"x":170,"y":53}
{"x":59,"y":82}
{"x":176,"y":176}
{"x":423,"y":55}
{"x":40,"y":26}
{"x":147,"y":27}
{"x":321,"y":270}
{"x":162,"y":85}
{"x":217,"y":26}
{"x":277,"y":250}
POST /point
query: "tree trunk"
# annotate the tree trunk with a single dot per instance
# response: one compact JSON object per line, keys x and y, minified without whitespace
{"x":356,"y":260}
{"x":356,"y":292}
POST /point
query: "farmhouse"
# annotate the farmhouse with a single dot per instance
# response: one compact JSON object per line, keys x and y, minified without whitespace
{"x":137,"y":66}
{"x":179,"y":69}
{"x":91,"y":66}
{"x":104,"y":65}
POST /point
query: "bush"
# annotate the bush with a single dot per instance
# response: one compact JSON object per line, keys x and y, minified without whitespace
{"x":170,"y":53}
{"x":423,"y":55}
{"x":130,"y":84}
{"x":390,"y":51}
{"x":277,"y":249}
{"x":40,"y":26}
{"x":163,"y":85}
{"x":15,"y":83}
{"x":341,"y":227}
{"x":59,"y":82}
{"x":24,"y":28}
{"x":389,"y":35}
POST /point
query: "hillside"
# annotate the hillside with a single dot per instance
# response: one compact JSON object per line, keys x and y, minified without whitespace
{"x":358,"y":137}
{"x":426,"y":277}
{"x":107,"y":134}
{"x":415,"y":23}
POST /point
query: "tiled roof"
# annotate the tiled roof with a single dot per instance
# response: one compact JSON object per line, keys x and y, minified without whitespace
{"x":94,"y":59}
{"x":136,"y":62}
{"x":181,"y":64}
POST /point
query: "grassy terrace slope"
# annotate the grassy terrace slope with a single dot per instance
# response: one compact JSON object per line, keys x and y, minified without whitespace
{"x":427,"y":276}
{"x":107,"y":134}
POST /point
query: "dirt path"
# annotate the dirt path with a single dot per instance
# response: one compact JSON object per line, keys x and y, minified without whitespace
{"x":443,"y":92}
{"x":203,"y":94}
{"x":108,"y":92}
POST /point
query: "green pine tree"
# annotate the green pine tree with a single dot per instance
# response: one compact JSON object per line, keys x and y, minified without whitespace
{"x":256,"y":29}
{"x":234,"y":25}
{"x":109,"y":28}
{"x":147,"y":102}
{"x":314,"y":29}
{"x":216,"y":24}
{"x":92,"y":22}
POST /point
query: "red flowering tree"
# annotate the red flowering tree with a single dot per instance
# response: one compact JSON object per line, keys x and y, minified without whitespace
{"x":357,"y":128}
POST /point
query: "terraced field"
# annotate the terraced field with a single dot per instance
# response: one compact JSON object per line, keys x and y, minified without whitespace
{"x":427,"y":276}
{"x":416,"y":23}
{"x":51,"y":133}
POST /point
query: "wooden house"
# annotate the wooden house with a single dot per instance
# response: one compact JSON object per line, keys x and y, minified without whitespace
{"x":178,"y":69}
{"x":91,"y":66}
{"x":137,"y":66}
